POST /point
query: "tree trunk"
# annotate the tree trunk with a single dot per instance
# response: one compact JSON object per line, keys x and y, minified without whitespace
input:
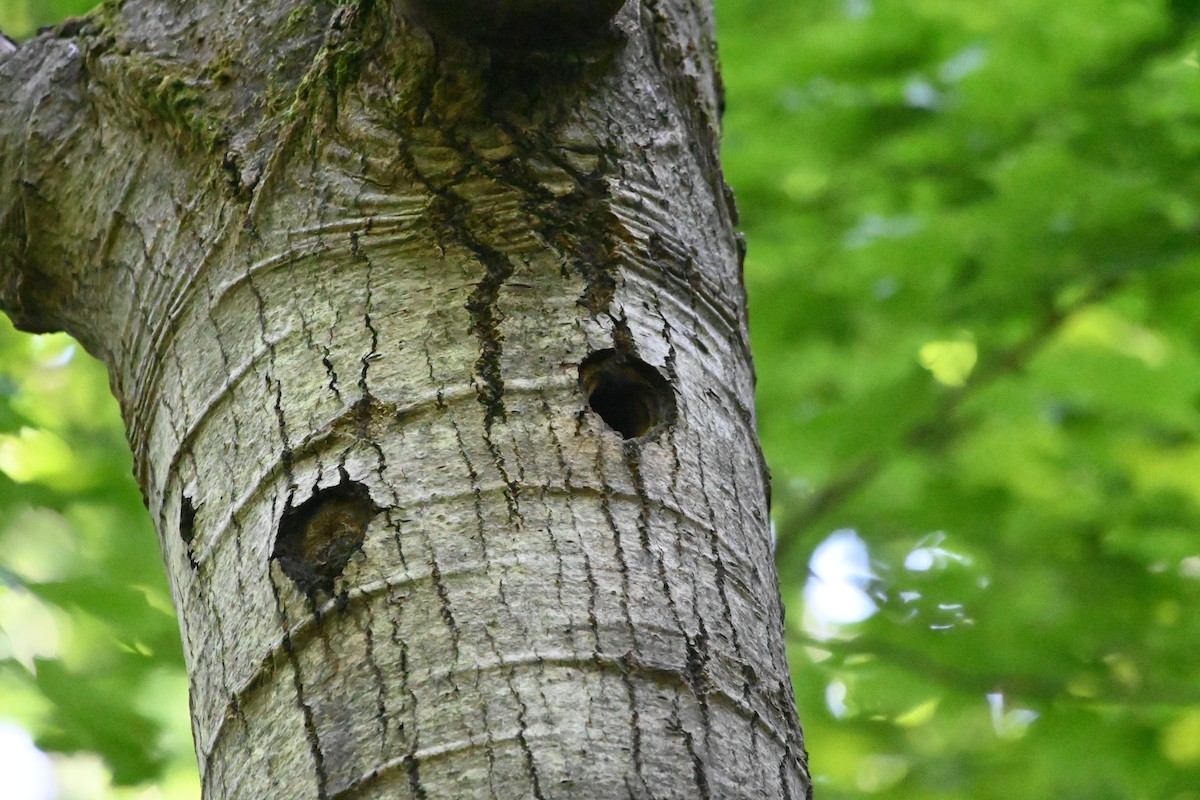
{"x":430,"y":339}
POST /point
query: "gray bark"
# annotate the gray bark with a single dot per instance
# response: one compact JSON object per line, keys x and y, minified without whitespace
{"x":432,"y":353}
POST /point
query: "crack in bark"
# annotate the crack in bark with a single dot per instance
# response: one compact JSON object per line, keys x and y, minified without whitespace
{"x":698,"y":772}
{"x":381,"y":682}
{"x":635,"y":730}
{"x":443,"y":595}
{"x":476,"y":493}
{"x":310,"y":728}
{"x":483,"y":306}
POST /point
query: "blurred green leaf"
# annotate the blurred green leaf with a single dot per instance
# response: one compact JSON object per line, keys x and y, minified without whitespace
{"x":98,"y":715}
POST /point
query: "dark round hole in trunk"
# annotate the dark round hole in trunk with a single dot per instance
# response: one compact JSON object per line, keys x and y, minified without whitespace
{"x":631,"y":396}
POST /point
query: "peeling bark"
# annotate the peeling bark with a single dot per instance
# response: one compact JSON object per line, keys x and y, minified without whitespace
{"x":433,"y":359}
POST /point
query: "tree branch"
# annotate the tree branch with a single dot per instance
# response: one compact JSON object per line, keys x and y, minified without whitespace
{"x":937,"y":430}
{"x":42,"y":114}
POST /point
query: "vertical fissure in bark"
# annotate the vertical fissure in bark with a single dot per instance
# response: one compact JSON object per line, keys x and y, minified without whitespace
{"x":381,"y":680}
{"x":486,"y":317}
{"x":311,"y":735}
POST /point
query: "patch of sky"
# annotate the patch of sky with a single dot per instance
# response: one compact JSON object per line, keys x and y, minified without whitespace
{"x":839,"y":576}
{"x":872,"y":227}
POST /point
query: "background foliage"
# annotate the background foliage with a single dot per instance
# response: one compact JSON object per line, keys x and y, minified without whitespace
{"x":975,"y":299}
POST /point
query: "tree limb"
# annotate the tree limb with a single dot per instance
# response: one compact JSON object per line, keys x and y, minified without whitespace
{"x":43,"y":113}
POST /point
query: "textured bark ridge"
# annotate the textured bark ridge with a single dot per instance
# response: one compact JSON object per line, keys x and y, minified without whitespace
{"x":433,"y":358}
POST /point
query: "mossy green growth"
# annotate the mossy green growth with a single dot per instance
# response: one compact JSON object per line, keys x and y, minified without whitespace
{"x":299,"y":14}
{"x":346,"y":64}
{"x":179,"y":100}
{"x":335,"y":66}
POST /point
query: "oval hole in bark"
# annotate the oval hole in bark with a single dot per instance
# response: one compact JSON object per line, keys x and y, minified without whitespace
{"x":631,"y":396}
{"x":187,"y":527}
{"x":317,"y":538}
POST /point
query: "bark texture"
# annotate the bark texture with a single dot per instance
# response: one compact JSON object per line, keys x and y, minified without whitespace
{"x":432,"y":352}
